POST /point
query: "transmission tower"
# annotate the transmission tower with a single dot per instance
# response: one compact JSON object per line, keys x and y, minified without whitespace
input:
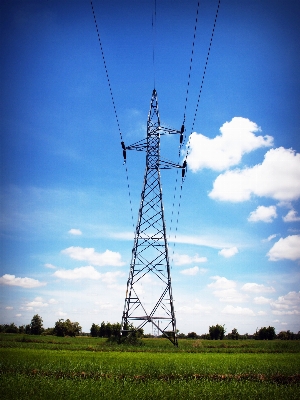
{"x":149,"y":292}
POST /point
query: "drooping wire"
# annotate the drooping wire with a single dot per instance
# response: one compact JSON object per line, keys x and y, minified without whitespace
{"x":191,"y":63}
{"x":195,"y":115}
{"x":203,"y":76}
{"x":182,"y":141}
{"x":114,"y":105}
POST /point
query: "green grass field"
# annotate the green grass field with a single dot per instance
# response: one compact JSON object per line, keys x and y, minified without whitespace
{"x":37,"y":367}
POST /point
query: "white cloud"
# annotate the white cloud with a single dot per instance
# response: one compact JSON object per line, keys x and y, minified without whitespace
{"x":287,"y":305}
{"x":182,"y":259}
{"x":110,"y":277}
{"x":18,"y":315}
{"x":50,"y":266}
{"x":238,"y":311}
{"x":61,"y":314}
{"x":286,"y":248}
{"x":278,"y":177}
{"x":261,"y":313}
{"x":230,"y":296}
{"x":227,"y":253}
{"x":9,"y":308}
{"x":190,"y":271}
{"x":269,"y":238}
{"x":28,"y":283}
{"x":221,"y":283}
{"x":256,"y":288}
{"x":237,"y":138}
{"x":36,"y":303}
{"x":195,"y":308}
{"x":261,"y":300}
{"x":225,"y":290}
{"x":76,"y":232}
{"x":262,"y":213}
{"x":52,"y":301}
{"x":88,"y":272}
{"x":291,"y":216}
{"x":108,"y":258}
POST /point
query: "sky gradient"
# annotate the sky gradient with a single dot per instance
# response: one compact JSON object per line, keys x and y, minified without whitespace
{"x":67,"y":215}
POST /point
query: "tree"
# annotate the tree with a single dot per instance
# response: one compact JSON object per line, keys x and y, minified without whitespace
{"x":66,"y":328}
{"x":95,"y":330}
{"x":265,"y":333}
{"x":36,"y":325}
{"x":234,"y":335}
{"x":217,"y":332}
{"x":192,"y":335}
{"x":11,"y":328}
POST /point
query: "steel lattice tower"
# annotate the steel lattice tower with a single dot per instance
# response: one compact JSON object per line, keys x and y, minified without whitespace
{"x":149,"y":291}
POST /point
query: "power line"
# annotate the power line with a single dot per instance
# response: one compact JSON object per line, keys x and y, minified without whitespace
{"x":184,"y":118}
{"x":203,"y":76}
{"x":114,"y":107}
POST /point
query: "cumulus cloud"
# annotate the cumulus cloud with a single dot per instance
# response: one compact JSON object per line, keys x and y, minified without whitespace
{"x":287,"y":305}
{"x":230,"y":296}
{"x":108,"y":258}
{"x":76,"y":232}
{"x":50,"y":266}
{"x":257,"y":288}
{"x":36,"y":303}
{"x":286,"y":248}
{"x":88,"y":272}
{"x":261,"y":300}
{"x":220,"y":282}
{"x":61,"y":314}
{"x":264,"y":214}
{"x":230,"y":252}
{"x":225,"y":290}
{"x":9,"y":308}
{"x":269,"y":238}
{"x":278,"y":177}
{"x":182,"y":259}
{"x":238,"y":311}
{"x":226,"y":150}
{"x":27,"y":283}
{"x":291,"y":216}
{"x":190,"y":271}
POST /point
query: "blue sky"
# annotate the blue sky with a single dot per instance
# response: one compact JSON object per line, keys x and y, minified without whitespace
{"x":66,"y":218}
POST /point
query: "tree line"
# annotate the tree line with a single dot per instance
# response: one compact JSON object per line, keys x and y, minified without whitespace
{"x":61,"y":328}
{"x":107,"y":330}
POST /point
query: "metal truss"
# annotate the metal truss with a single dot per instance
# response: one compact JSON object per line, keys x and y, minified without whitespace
{"x":149,"y":292}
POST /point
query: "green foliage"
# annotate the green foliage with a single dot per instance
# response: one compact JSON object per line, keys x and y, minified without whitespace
{"x":105,"y":330}
{"x":288,"y":335}
{"x":9,"y":328}
{"x":36,"y":325}
{"x":234,"y":335}
{"x":265,"y":333}
{"x":66,"y":328}
{"x":217,"y":332}
{"x":192,"y":335}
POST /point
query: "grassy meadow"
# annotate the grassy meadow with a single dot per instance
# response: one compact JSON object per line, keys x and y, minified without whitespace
{"x":37,"y":367}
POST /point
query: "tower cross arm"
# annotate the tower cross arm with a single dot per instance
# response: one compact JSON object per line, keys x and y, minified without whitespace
{"x":167,"y":164}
